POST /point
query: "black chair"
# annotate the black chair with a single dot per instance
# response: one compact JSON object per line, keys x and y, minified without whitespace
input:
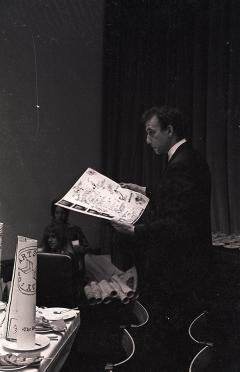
{"x":128,"y":347}
{"x":202,"y":361}
{"x":6,"y":270}
{"x":137,"y":317}
{"x":219,"y":326}
{"x":140,"y":315}
{"x":199,"y":330}
{"x":56,"y":285}
{"x":209,"y":359}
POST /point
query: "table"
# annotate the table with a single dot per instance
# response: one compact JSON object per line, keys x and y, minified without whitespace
{"x":57,"y":351}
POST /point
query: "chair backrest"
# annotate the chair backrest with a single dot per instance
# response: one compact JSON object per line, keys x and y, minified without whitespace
{"x":128,"y":346}
{"x":199,"y":330}
{"x":203,"y":360}
{"x":211,"y":359}
{"x":55,"y":281}
{"x":140,"y":315}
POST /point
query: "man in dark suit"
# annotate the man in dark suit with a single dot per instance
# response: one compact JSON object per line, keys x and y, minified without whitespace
{"x":177,"y":240}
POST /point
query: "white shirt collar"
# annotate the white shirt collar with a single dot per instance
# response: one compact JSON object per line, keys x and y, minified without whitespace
{"x":175,"y":147}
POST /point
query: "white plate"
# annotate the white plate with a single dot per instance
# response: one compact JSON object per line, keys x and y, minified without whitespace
{"x":52,"y":313}
{"x":41,"y":341}
{"x":13,"y":368}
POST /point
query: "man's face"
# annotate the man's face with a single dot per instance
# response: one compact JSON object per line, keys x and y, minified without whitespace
{"x":157,"y":137}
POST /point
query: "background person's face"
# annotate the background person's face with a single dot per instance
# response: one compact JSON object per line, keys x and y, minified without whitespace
{"x":157,"y":137}
{"x":60,"y":214}
{"x":52,"y":242}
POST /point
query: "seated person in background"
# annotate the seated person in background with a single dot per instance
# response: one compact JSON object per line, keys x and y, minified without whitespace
{"x":55,"y":240}
{"x":74,"y":233}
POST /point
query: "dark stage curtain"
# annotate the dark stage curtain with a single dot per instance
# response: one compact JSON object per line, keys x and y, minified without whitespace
{"x":184,"y":53}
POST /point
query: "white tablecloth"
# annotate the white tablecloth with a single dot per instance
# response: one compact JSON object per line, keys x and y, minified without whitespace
{"x":57,"y":351}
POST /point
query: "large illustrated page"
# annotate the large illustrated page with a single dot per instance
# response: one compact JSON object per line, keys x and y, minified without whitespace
{"x":99,"y":196}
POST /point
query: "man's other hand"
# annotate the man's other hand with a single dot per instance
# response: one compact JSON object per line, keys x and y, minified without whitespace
{"x":134,"y":187}
{"x":123,"y":227}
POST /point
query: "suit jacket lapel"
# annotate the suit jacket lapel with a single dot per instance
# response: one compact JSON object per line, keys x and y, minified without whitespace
{"x":178,"y":151}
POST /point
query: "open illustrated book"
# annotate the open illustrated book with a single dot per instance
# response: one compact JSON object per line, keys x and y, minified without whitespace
{"x":99,"y":196}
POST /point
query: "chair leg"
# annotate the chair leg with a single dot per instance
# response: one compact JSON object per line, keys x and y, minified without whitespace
{"x":109,"y":367}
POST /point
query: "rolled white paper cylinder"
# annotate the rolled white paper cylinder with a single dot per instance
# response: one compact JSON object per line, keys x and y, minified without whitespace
{"x":96,"y":291}
{"x":114,"y":292}
{"x":125,"y":288}
{"x":89,"y":294}
{"x":124,"y":299}
{"x":26,"y":292}
{"x":9,"y":328}
{"x":106,"y":287}
{"x":21,"y":307}
{"x":106,"y":298}
{"x":100,"y":267}
{"x":122,"y":296}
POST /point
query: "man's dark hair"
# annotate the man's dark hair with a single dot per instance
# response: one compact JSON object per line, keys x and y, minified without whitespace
{"x":167,"y":116}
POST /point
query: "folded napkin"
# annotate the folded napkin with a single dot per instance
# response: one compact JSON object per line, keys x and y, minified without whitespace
{"x":58,"y":325}
{"x":43,"y":324}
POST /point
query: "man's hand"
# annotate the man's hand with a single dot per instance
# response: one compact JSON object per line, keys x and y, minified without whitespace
{"x":134,"y":187}
{"x":123,"y":227}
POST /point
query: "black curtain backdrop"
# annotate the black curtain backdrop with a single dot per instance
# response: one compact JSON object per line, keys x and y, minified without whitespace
{"x":184,"y":53}
{"x":50,"y":80}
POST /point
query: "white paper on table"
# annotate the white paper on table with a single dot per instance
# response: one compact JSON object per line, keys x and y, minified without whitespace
{"x":99,"y":196}
{"x":20,"y":318}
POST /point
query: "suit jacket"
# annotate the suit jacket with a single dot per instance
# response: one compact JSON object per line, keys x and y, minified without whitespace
{"x":178,"y":239}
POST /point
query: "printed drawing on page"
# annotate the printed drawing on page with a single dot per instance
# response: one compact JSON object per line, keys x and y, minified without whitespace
{"x":99,"y":196}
